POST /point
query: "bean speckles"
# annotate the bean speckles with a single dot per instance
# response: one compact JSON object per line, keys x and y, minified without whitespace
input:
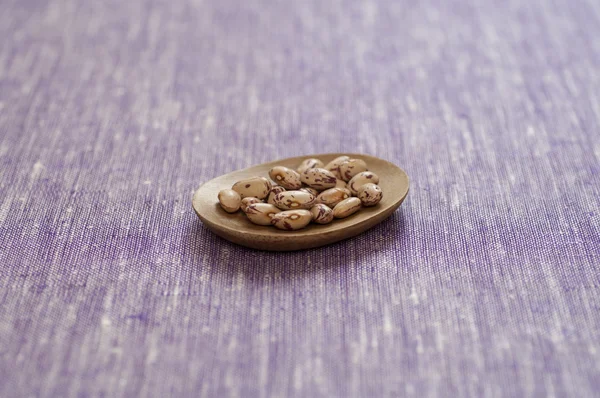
{"x":257,"y":187}
{"x":321,"y":214}
{"x":334,"y":165}
{"x":249,"y":201}
{"x":273,"y":192}
{"x":287,"y":178}
{"x":352,"y":167}
{"x":332,"y":196}
{"x":361,"y":179}
{"x":370,"y":194}
{"x":309,"y":164}
{"x":346,"y":207}
{"x":291,"y":220}
{"x":261,"y":213}
{"x":289,"y":200}
{"x":319,"y":179}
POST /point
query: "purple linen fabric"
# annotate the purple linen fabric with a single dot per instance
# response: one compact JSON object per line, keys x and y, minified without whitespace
{"x":485,"y":283}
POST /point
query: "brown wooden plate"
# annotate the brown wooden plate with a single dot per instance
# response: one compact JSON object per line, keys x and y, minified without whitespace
{"x":238,"y":229}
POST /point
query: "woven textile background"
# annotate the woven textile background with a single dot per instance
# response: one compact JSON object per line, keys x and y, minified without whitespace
{"x":485,"y":283}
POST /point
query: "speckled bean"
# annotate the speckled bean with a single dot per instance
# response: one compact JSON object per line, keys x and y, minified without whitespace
{"x":346,"y":207}
{"x":261,"y":213}
{"x":352,"y":167}
{"x":287,"y":178}
{"x":291,"y":220}
{"x":370,"y":194}
{"x":332,"y":196}
{"x":229,"y":200}
{"x":290,"y":200}
{"x":249,"y":201}
{"x":309,"y":164}
{"x":334,"y":165}
{"x":361,"y":179}
{"x":319,"y":179}
{"x":321,"y":214}
{"x":257,"y":187}
{"x":273,"y":192}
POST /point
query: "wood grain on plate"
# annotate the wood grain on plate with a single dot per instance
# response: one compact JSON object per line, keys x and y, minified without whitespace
{"x":238,"y":229}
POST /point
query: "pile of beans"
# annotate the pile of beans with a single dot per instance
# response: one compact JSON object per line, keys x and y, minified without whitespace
{"x":314,"y":192}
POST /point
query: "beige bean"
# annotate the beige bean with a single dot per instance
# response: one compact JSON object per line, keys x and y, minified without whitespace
{"x":309,"y":164}
{"x":352,"y":167}
{"x":229,"y":200}
{"x":291,"y":220}
{"x":249,"y":201}
{"x":290,"y":200}
{"x":310,"y":190}
{"x":261,"y":213}
{"x":334,"y":165}
{"x":321,"y":214}
{"x":346,"y":207}
{"x":319,"y":179}
{"x":339,"y":183}
{"x":370,"y":194}
{"x":287,"y":178}
{"x":257,"y":187}
{"x":332,"y":196}
{"x":273,"y":192}
{"x":361,"y":179}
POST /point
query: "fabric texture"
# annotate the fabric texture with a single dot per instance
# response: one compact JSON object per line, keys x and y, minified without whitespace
{"x":485,"y":283}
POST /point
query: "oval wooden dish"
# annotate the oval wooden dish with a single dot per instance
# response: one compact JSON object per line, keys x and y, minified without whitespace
{"x":238,"y":229}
